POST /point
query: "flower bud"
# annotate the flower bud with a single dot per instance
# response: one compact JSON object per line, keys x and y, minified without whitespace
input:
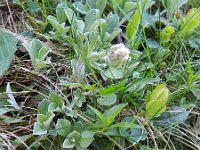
{"x":166,"y":33}
{"x":118,"y":55}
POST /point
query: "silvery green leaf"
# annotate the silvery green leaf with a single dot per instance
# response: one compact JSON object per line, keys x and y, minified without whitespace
{"x":144,"y":66}
{"x":80,"y":26}
{"x":78,"y":70}
{"x":113,"y":35}
{"x":112,"y":23}
{"x":107,"y":100}
{"x":60,"y":28}
{"x":4,"y":110}
{"x":114,"y":73}
{"x":39,"y":65}
{"x":7,"y":50}
{"x":100,"y":4}
{"x":39,"y":129}
{"x":86,"y":138}
{"x":94,"y":56}
{"x":91,"y":3}
{"x":90,"y":18}
{"x":129,"y":6}
{"x":45,"y":120}
{"x":70,"y":15}
{"x":79,"y":98}
{"x":43,"y":52}
{"x":93,"y":37}
{"x":95,"y":24}
{"x":80,"y":7}
{"x":63,"y":127}
{"x":11,"y":99}
{"x":68,"y":144}
{"x":43,"y":106}
{"x":60,"y":13}
{"x":170,"y":118}
{"x":196,"y":92}
{"x":72,"y":113}
{"x":106,"y":37}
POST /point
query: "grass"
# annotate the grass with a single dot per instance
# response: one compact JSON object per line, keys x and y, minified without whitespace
{"x":92,"y":95}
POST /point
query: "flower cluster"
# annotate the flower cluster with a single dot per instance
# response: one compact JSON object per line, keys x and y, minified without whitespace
{"x":118,"y":55}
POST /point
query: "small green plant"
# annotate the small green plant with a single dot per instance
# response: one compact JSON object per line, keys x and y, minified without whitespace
{"x":102,"y":88}
{"x":38,"y":54}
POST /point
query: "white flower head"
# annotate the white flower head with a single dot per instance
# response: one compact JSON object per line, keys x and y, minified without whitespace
{"x":118,"y":55}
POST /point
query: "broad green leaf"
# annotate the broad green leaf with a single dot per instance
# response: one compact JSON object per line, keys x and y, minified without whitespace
{"x":60,"y":28}
{"x":72,"y":140}
{"x":144,"y":66}
{"x":98,"y":113}
{"x":68,"y":144}
{"x":133,"y":134}
{"x":94,"y":26}
{"x":39,"y":129}
{"x":136,"y":135}
{"x":155,"y":108}
{"x":36,"y":45}
{"x":43,"y":107}
{"x":78,"y":100}
{"x":114,"y":73}
{"x":43,"y":53}
{"x":80,"y":26}
{"x":45,"y":120}
{"x":192,"y":21}
{"x":113,"y":35}
{"x":111,"y":113}
{"x":60,"y":13}
{"x":7,"y":50}
{"x":70,"y":15}
{"x":56,"y":99}
{"x":133,"y":24}
{"x":86,"y":138}
{"x":170,"y":118}
{"x":91,"y":3}
{"x":112,"y":23}
{"x":156,"y":101}
{"x":90,"y":18}
{"x":112,"y":89}
{"x":63,"y":127}
{"x":196,"y":92}
{"x":142,"y":82}
{"x":160,"y":93}
{"x":100,"y":4}
{"x":11,"y":99}
{"x":107,"y":100}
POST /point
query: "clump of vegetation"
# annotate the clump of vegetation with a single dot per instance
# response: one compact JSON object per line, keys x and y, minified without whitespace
{"x":100,"y":74}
